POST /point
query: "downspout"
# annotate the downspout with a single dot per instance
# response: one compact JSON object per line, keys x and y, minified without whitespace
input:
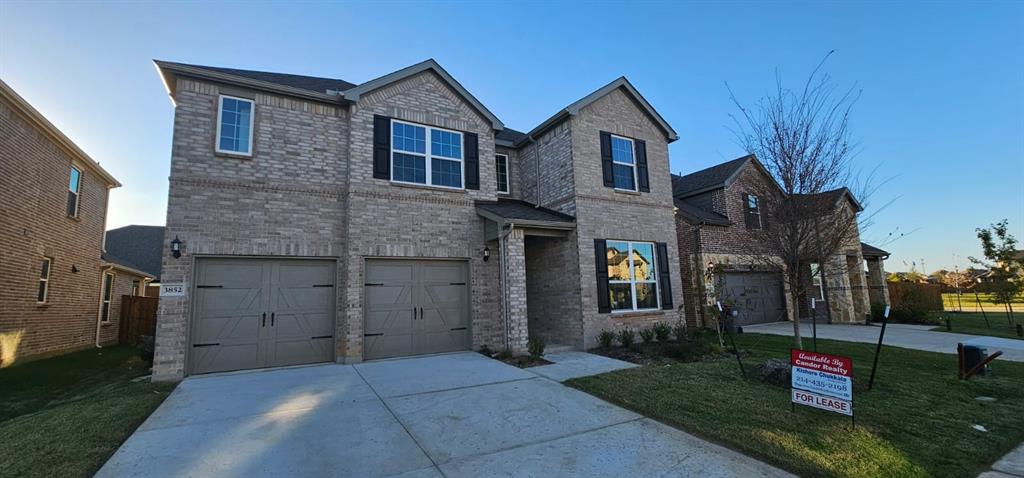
{"x":103,"y":280}
{"x":503,"y":257}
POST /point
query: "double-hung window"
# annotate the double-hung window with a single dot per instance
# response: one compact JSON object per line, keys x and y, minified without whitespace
{"x":623,"y":163}
{"x":752,"y":208}
{"x":44,"y":280}
{"x":501,"y":161}
{"x":234,"y":125}
{"x":74,"y":186}
{"x":817,"y":289}
{"x":632,"y":278}
{"x":414,"y":159}
{"x":108,"y":291}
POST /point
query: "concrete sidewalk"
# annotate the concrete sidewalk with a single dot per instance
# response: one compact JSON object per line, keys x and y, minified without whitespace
{"x":899,"y":335}
{"x":1010,"y":466}
{"x":450,"y":415}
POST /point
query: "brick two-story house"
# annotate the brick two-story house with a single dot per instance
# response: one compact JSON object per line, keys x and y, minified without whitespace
{"x":321,"y":220}
{"x":57,"y":293}
{"x":720,"y":212}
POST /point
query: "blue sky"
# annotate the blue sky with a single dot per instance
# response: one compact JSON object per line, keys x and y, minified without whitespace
{"x":942,"y":111}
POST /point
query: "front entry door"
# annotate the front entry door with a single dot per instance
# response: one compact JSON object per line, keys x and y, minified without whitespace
{"x":415,"y":307}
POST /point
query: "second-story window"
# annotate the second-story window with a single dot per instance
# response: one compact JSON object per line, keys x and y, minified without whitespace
{"x":752,"y":211}
{"x":234,"y":125}
{"x":74,"y":186}
{"x":623,"y":165}
{"x":501,"y":161}
{"x":44,"y":281}
{"x":437,"y":162}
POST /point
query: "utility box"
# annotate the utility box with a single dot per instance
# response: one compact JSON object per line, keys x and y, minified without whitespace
{"x":973,"y":355}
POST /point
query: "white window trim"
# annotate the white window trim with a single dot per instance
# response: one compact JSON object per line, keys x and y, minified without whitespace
{"x":77,"y":190}
{"x":252,"y":118}
{"x":46,"y":280}
{"x":817,"y":277}
{"x":757,"y":201}
{"x":632,"y":278}
{"x":636,"y":180}
{"x":103,"y":296}
{"x":429,"y":156}
{"x":508,"y":178}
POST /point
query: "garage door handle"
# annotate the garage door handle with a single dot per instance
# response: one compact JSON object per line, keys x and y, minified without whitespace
{"x":264,"y":320}
{"x":373,"y":284}
{"x":323,"y":285}
{"x":459,"y":328}
{"x":272,"y":319}
{"x":321,"y":337}
{"x":456,"y":283}
{"x":206,"y":345}
{"x":372,"y":335}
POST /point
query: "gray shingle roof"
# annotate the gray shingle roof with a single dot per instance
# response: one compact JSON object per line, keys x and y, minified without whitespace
{"x":510,"y":135}
{"x":867,"y":250}
{"x":706,"y":179}
{"x":138,"y":247}
{"x":517,"y":210}
{"x":697,"y":214}
{"x":309,"y":83}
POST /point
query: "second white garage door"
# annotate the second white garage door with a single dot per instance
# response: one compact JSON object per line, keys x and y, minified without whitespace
{"x":415,"y":307}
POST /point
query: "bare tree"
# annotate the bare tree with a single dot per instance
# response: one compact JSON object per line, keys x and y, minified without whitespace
{"x":802,"y":137}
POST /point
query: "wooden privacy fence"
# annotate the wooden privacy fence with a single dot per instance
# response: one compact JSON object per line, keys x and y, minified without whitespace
{"x":138,"y":317}
{"x":914,"y":295}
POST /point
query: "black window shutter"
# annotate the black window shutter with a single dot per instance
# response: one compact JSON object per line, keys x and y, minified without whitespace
{"x":604,"y":302}
{"x":606,"y":159}
{"x":641,"y":166}
{"x":472,"y":161}
{"x":381,"y":147}
{"x":664,"y":276}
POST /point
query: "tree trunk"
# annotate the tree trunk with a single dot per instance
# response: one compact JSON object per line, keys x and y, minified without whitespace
{"x":1009,"y":305}
{"x":796,"y":319}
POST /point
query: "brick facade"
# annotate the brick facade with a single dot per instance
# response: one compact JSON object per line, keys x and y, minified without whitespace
{"x":34,"y":174}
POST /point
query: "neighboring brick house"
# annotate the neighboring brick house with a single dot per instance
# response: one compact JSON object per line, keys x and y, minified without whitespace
{"x":720,"y":212}
{"x":322,"y":220}
{"x":51,"y":270}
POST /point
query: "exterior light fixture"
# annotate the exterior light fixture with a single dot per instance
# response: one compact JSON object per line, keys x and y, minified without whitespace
{"x":176,"y":247}
{"x":487,"y":253}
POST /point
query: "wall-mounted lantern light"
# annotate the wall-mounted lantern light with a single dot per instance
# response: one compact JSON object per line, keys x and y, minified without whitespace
{"x":487,"y":253}
{"x":176,"y":247}
{"x":74,"y":268}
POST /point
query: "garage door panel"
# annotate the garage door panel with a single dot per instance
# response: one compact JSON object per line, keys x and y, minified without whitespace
{"x":438,"y":293}
{"x":253,"y":313}
{"x":757,"y":297}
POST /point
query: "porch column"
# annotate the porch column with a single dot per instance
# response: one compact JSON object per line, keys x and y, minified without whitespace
{"x":515,"y":276}
{"x":858,"y":286}
{"x":840,"y":296}
{"x":878,"y":291}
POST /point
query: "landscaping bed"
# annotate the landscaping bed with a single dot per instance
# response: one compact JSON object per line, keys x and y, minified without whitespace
{"x":66,"y":415}
{"x":918,"y":420}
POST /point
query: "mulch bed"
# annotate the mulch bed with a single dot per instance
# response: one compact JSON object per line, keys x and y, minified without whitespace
{"x":521,"y":361}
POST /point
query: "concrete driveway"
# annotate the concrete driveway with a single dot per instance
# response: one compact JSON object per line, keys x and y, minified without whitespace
{"x":445,"y":415}
{"x":918,"y":337}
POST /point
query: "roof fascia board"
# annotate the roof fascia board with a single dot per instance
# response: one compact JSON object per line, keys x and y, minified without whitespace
{"x":502,"y":221}
{"x":125,"y":268}
{"x":190,"y":71}
{"x":353,"y":94}
{"x":622,"y":82}
{"x":63,"y":141}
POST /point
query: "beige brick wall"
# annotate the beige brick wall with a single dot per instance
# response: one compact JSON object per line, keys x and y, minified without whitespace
{"x":604,"y":213}
{"x":34,"y":176}
{"x":287,"y":200}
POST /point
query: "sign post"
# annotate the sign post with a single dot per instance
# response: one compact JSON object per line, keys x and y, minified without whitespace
{"x":814,"y":322}
{"x":723,"y":319}
{"x":822,"y":381}
{"x":878,"y":348}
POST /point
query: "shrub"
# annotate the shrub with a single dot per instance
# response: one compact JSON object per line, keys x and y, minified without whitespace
{"x":485,"y":350}
{"x":679,"y":331}
{"x":535,"y":347}
{"x":504,"y":355}
{"x":911,"y":311}
{"x":627,"y":338}
{"x":606,"y":338}
{"x":775,"y":372}
{"x":692,"y":347}
{"x":145,"y":344}
{"x":647,"y":335}
{"x":662,"y":331}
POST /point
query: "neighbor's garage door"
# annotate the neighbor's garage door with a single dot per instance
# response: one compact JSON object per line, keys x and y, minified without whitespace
{"x":756,"y":295}
{"x":415,"y":307}
{"x":252,"y":313}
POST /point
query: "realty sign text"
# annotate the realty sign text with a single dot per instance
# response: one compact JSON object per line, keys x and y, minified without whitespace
{"x":822,"y":381}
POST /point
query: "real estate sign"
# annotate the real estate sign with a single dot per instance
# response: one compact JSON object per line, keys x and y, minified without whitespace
{"x":822,"y":381}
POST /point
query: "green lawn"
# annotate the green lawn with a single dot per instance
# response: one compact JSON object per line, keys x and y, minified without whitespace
{"x":967,"y":302}
{"x":974,"y":324}
{"x":916,"y":422}
{"x":66,"y":415}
